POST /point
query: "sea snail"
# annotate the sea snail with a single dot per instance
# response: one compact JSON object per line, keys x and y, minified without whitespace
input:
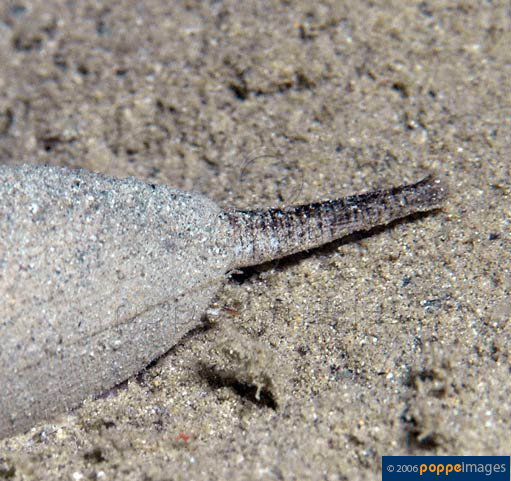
{"x":99,"y":276}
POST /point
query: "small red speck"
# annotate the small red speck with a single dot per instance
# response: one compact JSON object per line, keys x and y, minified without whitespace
{"x":183,"y":437}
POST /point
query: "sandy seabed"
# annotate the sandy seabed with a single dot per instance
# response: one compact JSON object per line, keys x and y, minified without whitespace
{"x":391,"y":342}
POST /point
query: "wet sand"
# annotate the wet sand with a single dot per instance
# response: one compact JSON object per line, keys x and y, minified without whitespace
{"x":395,"y":341}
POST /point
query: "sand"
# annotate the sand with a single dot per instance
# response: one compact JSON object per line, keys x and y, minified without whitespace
{"x":395,"y":341}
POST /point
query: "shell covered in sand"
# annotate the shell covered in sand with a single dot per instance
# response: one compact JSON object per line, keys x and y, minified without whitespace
{"x":100,"y":276}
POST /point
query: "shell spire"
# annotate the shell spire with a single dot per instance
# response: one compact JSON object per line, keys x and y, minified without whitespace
{"x":266,"y":234}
